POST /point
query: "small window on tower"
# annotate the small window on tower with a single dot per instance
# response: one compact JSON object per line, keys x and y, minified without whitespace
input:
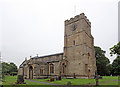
{"x":73,"y":42}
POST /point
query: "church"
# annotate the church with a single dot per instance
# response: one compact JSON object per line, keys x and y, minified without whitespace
{"x":78,"y":57}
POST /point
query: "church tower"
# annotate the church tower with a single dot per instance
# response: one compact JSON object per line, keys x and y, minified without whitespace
{"x":79,"y":48}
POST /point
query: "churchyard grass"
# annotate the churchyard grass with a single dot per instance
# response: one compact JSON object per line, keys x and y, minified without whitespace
{"x":11,"y":80}
{"x":107,"y":80}
{"x":73,"y":81}
{"x":111,"y":83}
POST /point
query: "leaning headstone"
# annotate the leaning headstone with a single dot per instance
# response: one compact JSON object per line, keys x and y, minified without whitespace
{"x":20,"y":79}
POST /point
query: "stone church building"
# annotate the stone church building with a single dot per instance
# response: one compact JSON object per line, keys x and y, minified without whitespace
{"x":78,"y":59}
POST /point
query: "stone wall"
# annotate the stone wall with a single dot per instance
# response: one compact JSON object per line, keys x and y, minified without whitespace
{"x":78,"y":43}
{"x":41,"y":63}
{"x":78,"y":58}
{"x":20,"y":71}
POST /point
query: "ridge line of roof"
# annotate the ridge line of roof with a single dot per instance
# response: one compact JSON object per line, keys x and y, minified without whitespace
{"x":47,"y":55}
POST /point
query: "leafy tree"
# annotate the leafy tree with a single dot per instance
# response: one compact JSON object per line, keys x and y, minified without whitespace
{"x":109,"y":69}
{"x":5,"y":68}
{"x":116,"y":66}
{"x":12,"y":68}
{"x":9,"y":69}
{"x":115,"y":50}
{"x":102,"y":62}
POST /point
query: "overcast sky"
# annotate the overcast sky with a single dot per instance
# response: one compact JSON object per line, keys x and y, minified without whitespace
{"x":31,"y":27}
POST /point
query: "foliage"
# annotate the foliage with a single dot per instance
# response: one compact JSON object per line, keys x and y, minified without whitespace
{"x":13,"y":69}
{"x":102,"y":62}
{"x":5,"y":68}
{"x":115,"y":49}
{"x":116,"y":66}
{"x":9,"y":69}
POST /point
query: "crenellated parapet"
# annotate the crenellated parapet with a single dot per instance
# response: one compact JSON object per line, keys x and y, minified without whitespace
{"x":76,"y":18}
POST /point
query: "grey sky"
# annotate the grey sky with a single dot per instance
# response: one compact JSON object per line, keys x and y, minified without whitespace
{"x":31,"y":27}
{"x":119,"y":21}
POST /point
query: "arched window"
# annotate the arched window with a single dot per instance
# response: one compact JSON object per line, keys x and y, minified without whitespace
{"x":51,"y":68}
{"x":41,"y":70}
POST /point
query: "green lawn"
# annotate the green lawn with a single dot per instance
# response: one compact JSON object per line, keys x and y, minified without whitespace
{"x":103,"y":81}
{"x":73,"y":81}
{"x":107,"y":80}
{"x":10,"y":82}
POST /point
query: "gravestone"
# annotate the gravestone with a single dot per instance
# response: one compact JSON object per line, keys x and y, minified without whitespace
{"x":100,"y":77}
{"x":51,"y":79}
{"x":56,"y":78}
{"x":59,"y":77}
{"x":69,"y":83}
{"x":20,"y":79}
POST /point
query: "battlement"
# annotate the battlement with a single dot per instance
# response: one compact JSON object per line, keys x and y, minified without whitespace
{"x":76,"y":18}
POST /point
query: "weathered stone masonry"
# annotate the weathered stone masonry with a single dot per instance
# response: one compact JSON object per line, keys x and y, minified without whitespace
{"x":78,"y":59}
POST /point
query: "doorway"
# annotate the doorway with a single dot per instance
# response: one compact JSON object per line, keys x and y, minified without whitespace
{"x":30,"y":72}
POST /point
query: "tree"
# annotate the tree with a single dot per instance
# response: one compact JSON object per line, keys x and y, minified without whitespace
{"x":102,"y":62}
{"x":5,"y":68}
{"x":115,"y":50}
{"x":116,"y":66}
{"x":10,"y":69}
